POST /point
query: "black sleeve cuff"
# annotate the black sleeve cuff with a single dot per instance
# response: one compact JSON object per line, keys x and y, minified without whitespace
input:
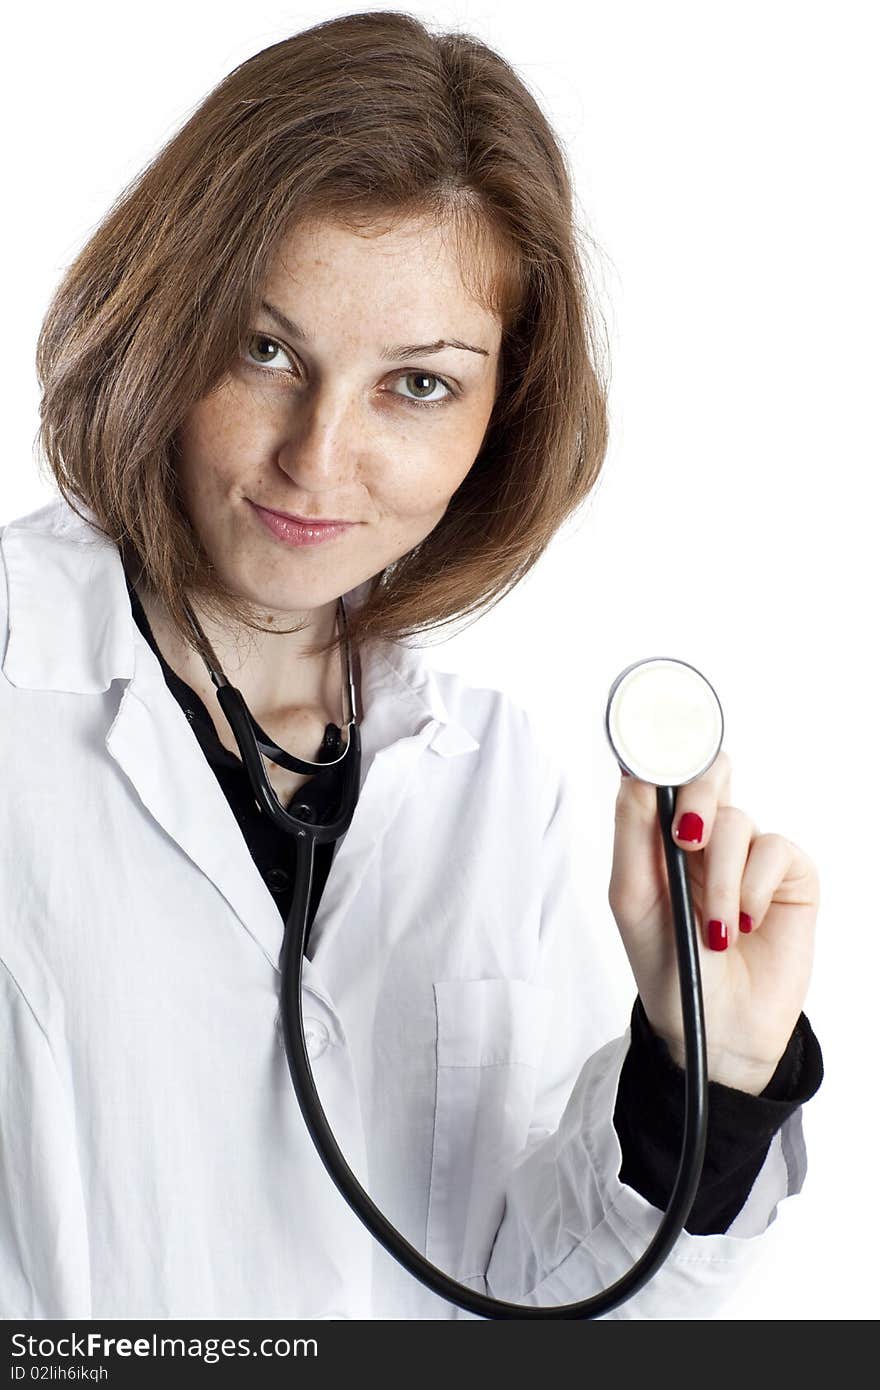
{"x":649,"y":1120}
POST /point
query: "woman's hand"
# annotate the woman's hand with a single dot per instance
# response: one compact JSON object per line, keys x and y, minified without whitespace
{"x":754,"y":973}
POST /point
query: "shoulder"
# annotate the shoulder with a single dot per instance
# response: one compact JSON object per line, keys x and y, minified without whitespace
{"x":26,"y":544}
{"x":503,"y":726}
{"x":486,"y":707}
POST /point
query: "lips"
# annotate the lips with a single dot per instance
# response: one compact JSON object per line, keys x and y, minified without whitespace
{"x":308,"y":520}
{"x":292,"y":530}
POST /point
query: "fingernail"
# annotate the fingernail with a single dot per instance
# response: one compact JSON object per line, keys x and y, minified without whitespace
{"x":690,"y":828}
{"x":718,"y":936}
{"x":745,"y":922}
{"x":623,"y":771}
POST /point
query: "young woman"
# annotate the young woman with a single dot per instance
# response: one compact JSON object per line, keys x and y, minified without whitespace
{"x":337,"y":341}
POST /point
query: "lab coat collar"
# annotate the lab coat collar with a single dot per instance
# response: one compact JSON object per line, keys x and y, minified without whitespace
{"x":71,"y":629}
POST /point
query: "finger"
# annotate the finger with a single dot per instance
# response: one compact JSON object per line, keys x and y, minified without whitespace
{"x":724,"y":866}
{"x":637,"y":868}
{"x":697,"y":803}
{"x":775,"y":871}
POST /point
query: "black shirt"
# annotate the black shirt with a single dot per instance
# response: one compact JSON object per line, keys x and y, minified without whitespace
{"x":271,"y":848}
{"x":649,"y":1112}
{"x":649,"y":1119}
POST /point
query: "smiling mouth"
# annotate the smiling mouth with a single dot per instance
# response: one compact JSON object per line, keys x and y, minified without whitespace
{"x":292,"y":531}
{"x":306,"y":520}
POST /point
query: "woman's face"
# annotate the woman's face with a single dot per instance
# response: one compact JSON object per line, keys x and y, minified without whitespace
{"x":332,"y":415}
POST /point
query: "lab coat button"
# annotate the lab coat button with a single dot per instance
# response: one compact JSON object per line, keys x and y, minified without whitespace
{"x":317,"y":1036}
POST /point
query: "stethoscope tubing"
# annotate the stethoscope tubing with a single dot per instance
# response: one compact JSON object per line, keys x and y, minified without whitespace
{"x":696,"y":1102}
{"x":251,"y":739}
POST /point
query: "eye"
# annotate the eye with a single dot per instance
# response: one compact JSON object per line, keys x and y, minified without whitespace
{"x":420,"y":377}
{"x":271,"y":348}
{"x":265,"y":343}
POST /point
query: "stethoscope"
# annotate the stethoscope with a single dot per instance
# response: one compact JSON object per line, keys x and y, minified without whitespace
{"x":664,"y":723}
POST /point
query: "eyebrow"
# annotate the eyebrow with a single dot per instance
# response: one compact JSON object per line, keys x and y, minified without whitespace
{"x":390,"y":353}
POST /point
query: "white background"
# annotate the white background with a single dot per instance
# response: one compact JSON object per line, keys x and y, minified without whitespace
{"x":724,"y":159}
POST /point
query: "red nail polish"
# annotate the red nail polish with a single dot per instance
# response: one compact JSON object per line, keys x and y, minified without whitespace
{"x":690,"y":828}
{"x":623,"y":771}
{"x":717,"y":936}
{"x":745,"y":922}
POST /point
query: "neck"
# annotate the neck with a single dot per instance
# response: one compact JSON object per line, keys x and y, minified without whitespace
{"x":276,"y":673}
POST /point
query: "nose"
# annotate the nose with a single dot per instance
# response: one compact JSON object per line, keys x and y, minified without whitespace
{"x":319,"y":448}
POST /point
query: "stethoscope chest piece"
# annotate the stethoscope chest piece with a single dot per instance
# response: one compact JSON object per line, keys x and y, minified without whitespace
{"x":664,"y":721}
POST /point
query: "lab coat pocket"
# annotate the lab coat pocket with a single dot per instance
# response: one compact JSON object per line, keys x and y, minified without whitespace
{"x":490,"y":1036}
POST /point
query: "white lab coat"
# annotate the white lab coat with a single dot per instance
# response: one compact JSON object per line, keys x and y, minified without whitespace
{"x":153,"y":1160}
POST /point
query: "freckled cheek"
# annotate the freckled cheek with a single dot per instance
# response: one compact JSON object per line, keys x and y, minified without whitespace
{"x":211,"y":453}
{"x":420,"y":480}
{"x":413,"y":503}
{"x":201,"y":485}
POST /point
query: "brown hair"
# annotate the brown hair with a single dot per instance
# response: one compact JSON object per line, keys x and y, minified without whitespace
{"x":363,"y":117}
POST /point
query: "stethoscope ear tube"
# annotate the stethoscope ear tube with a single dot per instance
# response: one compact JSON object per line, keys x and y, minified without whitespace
{"x":232,"y":703}
{"x":696,"y":1101}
